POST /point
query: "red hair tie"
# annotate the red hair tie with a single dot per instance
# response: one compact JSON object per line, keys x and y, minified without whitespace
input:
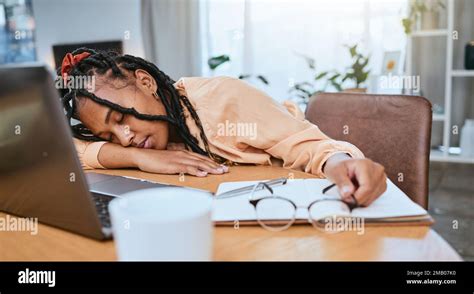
{"x":69,"y":61}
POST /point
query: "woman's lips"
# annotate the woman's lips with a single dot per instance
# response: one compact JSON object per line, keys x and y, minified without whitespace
{"x":146,"y":144}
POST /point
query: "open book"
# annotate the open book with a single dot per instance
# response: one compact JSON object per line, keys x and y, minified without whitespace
{"x":392,"y":207}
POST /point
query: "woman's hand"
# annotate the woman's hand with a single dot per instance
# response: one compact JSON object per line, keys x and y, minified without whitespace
{"x":158,"y":161}
{"x":175,"y":162}
{"x":362,"y":178}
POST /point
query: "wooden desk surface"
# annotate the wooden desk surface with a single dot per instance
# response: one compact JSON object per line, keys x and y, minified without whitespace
{"x":301,"y":242}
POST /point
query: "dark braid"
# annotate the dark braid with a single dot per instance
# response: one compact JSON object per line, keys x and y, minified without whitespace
{"x":99,"y":63}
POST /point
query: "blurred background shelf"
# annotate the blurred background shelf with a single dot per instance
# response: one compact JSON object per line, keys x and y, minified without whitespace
{"x":440,"y":156}
{"x":430,"y":33}
{"x":448,"y":152}
{"x":438,"y":117}
{"x":462,"y":73}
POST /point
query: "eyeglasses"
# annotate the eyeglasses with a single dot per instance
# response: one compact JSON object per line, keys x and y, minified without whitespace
{"x":267,"y":205}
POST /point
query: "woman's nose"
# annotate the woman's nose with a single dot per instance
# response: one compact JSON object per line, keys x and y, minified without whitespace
{"x":125,"y":135}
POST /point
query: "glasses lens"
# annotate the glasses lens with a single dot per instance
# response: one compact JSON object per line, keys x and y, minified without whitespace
{"x":324,"y":211}
{"x":275,"y":214}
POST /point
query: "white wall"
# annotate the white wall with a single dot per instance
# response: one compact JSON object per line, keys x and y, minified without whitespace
{"x":72,"y":21}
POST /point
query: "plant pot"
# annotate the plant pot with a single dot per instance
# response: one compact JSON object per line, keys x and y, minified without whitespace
{"x":355,"y":90}
{"x":417,"y":23}
{"x":430,"y":20}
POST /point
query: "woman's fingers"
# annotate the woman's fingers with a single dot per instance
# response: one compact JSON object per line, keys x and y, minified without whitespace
{"x":379,"y":190}
{"x":372,"y":182}
{"x":208,"y":161}
{"x":203,"y":165}
{"x":174,"y":162}
{"x":194,"y":171}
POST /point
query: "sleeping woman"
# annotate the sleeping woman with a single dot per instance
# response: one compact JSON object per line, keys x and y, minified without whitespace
{"x":135,"y":116}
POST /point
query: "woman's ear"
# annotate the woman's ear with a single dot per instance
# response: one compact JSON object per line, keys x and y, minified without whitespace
{"x":145,"y":81}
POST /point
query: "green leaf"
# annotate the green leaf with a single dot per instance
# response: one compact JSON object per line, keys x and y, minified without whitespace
{"x":353,"y":50}
{"x":365,"y":62}
{"x":263,"y":79}
{"x":362,"y":78}
{"x":336,"y":85}
{"x":308,"y":84}
{"x":215,"y":62}
{"x":302,"y":97}
{"x":407,"y":23}
{"x":335,"y":76}
{"x":309,"y":60}
{"x":307,"y":92}
{"x":321,"y":75}
{"x":347,"y":76}
{"x":357,"y":68}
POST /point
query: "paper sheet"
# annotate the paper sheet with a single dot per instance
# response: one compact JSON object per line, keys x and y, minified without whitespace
{"x":392,"y":203}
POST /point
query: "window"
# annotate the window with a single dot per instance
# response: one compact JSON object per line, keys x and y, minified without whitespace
{"x":16,"y":32}
{"x":269,"y":37}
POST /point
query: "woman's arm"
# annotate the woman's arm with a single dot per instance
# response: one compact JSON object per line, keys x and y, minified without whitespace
{"x":300,"y":144}
{"x":109,"y":155}
{"x":158,"y":161}
{"x":115,"y":156}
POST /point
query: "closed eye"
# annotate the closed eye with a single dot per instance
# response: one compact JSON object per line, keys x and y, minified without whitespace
{"x":121,"y":118}
{"x":118,"y":118}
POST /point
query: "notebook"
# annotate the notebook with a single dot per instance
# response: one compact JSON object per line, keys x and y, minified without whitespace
{"x":393,"y":207}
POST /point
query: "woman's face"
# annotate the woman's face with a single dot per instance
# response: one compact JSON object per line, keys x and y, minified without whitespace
{"x":118,"y":128}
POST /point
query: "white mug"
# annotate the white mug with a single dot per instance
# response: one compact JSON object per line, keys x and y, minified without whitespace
{"x":170,"y":223}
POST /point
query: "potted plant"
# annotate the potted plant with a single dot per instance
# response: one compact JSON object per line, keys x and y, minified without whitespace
{"x":423,"y":15}
{"x":320,"y":82}
{"x":216,"y":61}
{"x":357,"y":72}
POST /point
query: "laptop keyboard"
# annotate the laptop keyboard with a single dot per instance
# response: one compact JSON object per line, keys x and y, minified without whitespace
{"x":102,"y":205}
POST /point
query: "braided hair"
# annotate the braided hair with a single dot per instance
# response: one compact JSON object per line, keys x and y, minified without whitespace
{"x":99,"y":63}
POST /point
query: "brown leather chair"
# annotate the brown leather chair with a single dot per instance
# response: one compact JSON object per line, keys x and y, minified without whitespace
{"x":393,"y":130}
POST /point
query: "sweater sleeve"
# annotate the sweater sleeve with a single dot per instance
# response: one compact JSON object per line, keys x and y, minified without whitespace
{"x":281,"y":131}
{"x":88,"y":153}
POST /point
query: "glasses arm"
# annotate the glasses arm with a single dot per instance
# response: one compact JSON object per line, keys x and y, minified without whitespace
{"x":260,"y":184}
{"x":328,"y":188}
{"x":350,"y":205}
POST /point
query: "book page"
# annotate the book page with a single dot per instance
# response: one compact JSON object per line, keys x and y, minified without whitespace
{"x":239,"y":207}
{"x":391,"y":204}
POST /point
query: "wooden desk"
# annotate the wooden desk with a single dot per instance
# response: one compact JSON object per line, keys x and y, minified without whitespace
{"x":301,"y":242}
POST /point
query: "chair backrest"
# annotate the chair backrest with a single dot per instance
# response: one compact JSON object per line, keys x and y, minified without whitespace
{"x":393,"y":130}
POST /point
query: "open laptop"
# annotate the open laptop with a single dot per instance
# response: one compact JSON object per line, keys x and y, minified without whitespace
{"x":40,"y":173}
